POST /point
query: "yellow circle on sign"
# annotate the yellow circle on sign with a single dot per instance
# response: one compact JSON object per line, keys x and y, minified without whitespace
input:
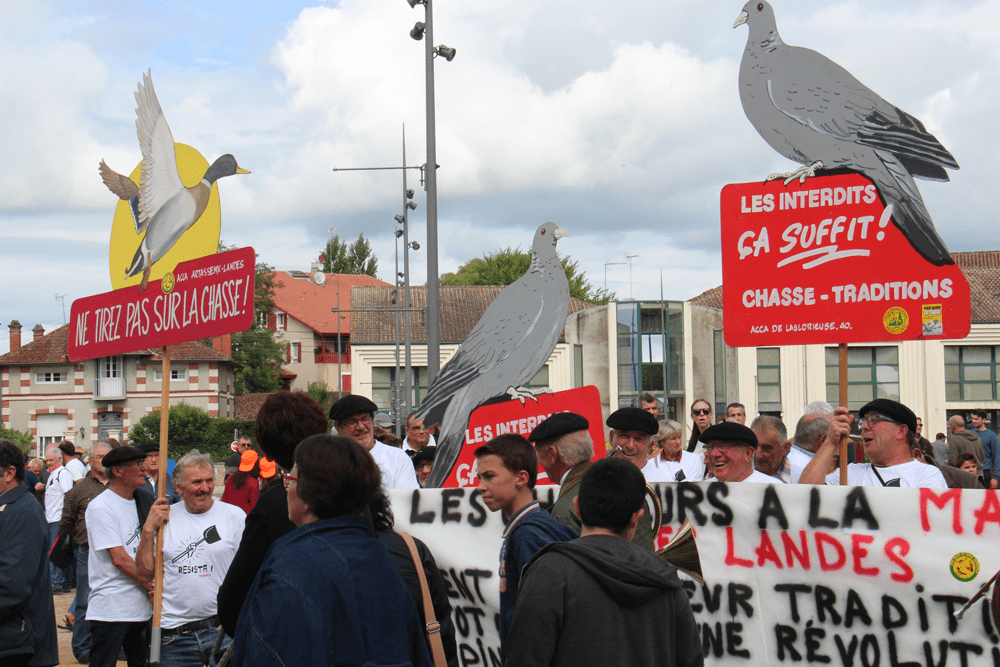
{"x":167,"y":284}
{"x":964,"y":566}
{"x":895,"y":320}
{"x":200,"y":240}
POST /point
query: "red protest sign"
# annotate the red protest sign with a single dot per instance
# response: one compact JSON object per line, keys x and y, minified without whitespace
{"x":489,"y":421}
{"x":821,"y":262}
{"x":201,"y":298}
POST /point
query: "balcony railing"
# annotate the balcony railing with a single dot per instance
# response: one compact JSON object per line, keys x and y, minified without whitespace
{"x":109,"y":389}
{"x":332,"y":357}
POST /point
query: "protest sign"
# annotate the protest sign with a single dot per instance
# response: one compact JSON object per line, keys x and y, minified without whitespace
{"x":822,"y":262}
{"x":512,"y":416}
{"x":204,"y":297}
{"x":845,"y":576}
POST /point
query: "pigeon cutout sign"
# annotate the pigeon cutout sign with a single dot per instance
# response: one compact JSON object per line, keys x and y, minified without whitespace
{"x":842,"y":249}
{"x":510,"y":343}
{"x":812,"y":111}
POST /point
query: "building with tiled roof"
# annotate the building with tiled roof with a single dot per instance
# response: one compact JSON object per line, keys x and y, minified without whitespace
{"x":46,"y":394}
{"x":317,"y":342}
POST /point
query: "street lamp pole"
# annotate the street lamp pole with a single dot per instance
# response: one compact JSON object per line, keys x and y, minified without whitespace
{"x":433,"y":288}
{"x":629,"y":258}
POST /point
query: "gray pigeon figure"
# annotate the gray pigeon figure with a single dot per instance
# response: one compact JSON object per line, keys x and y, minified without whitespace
{"x":510,"y":343}
{"x":812,"y":111}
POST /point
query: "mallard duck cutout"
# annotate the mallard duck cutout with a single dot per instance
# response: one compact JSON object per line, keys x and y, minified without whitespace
{"x":161,"y":206}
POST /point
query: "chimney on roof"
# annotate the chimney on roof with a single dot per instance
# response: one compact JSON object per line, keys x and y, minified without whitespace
{"x":38,"y":330}
{"x":15,"y":335}
{"x":223,"y":344}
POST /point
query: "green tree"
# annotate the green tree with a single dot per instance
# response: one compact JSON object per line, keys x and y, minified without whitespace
{"x":21,"y":439}
{"x":356,"y":259}
{"x":508,"y":264}
{"x":256,"y":349}
{"x":188,"y":425}
{"x":191,"y":428}
{"x":319,"y":392}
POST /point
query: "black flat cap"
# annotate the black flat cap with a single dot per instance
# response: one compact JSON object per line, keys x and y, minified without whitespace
{"x":425,"y":453}
{"x":729,"y":432}
{"x":351,"y":405}
{"x":150,"y":447}
{"x":122,"y":455}
{"x":892,"y":410}
{"x":633,"y":419}
{"x":559,"y":424}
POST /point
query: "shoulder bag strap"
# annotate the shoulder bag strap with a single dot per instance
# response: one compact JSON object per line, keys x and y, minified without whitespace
{"x":433,"y":627}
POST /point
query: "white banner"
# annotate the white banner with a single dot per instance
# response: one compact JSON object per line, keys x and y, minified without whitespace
{"x":852,"y":577}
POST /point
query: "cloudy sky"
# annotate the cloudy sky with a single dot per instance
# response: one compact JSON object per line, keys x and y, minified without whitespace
{"x":619,"y":121}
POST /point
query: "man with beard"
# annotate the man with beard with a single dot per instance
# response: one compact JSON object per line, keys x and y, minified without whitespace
{"x":887,"y":430}
{"x":353,"y":418}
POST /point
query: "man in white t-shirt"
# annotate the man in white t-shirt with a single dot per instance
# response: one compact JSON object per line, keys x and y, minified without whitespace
{"x":352,"y":417}
{"x":59,"y":482}
{"x":888,"y":431}
{"x":119,"y":609}
{"x":730,"y":448}
{"x":199,"y":542}
{"x":71,"y":461}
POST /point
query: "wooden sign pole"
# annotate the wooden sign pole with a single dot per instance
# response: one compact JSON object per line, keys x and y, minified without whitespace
{"x":843,"y":402}
{"x":161,"y":481}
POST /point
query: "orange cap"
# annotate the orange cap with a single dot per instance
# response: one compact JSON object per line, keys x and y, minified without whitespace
{"x":268,"y":468}
{"x":247,"y":460}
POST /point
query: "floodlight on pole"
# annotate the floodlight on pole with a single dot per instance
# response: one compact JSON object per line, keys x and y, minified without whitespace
{"x":445,"y":52}
{"x":433,"y":313}
{"x":399,"y":218}
{"x":417,"y":31}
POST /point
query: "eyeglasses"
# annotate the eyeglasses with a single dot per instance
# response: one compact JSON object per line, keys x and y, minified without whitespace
{"x":701,"y":411}
{"x":873,"y":419}
{"x":352,"y":423}
{"x":288,"y":479}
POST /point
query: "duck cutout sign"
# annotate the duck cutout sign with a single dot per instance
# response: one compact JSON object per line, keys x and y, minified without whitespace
{"x":169,"y":205}
{"x":170,"y":283}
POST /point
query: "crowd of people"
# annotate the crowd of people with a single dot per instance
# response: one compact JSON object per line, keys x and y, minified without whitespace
{"x":304,"y":530}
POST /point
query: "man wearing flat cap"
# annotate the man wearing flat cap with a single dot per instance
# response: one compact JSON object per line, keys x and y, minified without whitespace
{"x":119,"y":609}
{"x":353,"y":417}
{"x":888,"y":431}
{"x":423,"y":461}
{"x":632,"y":431}
{"x":564,"y":449}
{"x":151,"y":469}
{"x":730,"y":448}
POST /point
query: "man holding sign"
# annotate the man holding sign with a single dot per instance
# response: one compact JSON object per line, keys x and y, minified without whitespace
{"x":888,"y":430}
{"x":199,"y":543}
